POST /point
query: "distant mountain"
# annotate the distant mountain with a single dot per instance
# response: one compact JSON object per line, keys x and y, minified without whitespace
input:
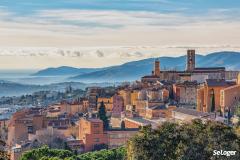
{"x":136,"y":69}
{"x":64,"y":70}
{"x":15,"y":89}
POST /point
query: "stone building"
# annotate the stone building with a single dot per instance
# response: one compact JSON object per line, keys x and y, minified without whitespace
{"x":230,"y":96}
{"x":136,"y":122}
{"x":119,"y":137}
{"x":126,"y":95}
{"x":191,"y":73}
{"x":190,"y":61}
{"x":208,"y":95}
{"x":118,"y":106}
{"x":22,"y":123}
{"x":108,"y":102}
{"x":159,"y":111}
{"x":185,"y":93}
{"x":72,"y":107}
{"x":156,"y":74}
{"x":92,"y":134}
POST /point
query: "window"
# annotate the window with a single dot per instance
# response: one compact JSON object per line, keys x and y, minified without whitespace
{"x":30,"y":129}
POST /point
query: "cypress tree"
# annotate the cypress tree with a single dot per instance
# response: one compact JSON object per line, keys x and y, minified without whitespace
{"x":123,"y":125}
{"x":102,"y":115}
{"x":213,"y":102}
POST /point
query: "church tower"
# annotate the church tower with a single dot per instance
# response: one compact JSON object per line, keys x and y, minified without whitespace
{"x":190,"y":60}
{"x":157,"y":68}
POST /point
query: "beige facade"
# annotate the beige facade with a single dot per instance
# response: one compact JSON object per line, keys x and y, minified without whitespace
{"x":117,"y":138}
{"x":126,"y":95}
{"x":210,"y":89}
{"x":91,"y":133}
{"x":230,"y":97}
{"x":186,"y":93}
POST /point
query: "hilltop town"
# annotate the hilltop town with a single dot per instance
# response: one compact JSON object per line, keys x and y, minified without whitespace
{"x":106,"y":117}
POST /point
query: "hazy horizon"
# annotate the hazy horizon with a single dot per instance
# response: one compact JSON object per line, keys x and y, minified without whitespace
{"x":14,"y":59}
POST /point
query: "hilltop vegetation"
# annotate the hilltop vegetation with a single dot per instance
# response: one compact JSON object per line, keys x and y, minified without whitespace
{"x":195,"y":141}
{"x":170,"y":141}
{"x":45,"y":153}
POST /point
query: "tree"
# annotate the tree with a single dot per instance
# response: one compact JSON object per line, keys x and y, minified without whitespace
{"x":45,"y":153}
{"x":98,"y":147}
{"x":123,"y":127}
{"x":212,"y":101}
{"x":102,"y":115}
{"x":237,"y":111}
{"x":3,"y":154}
{"x":35,"y":144}
{"x":112,"y":154}
{"x":192,"y":141}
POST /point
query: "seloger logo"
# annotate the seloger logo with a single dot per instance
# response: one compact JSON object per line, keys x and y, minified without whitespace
{"x":224,"y":153}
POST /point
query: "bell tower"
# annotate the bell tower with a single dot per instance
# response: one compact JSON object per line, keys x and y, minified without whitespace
{"x":190,"y":60}
{"x":157,"y":68}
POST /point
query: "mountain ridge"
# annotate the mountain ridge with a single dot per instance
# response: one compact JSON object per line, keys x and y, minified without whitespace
{"x":9,"y":88}
{"x":136,"y":69}
{"x":63,"y":70}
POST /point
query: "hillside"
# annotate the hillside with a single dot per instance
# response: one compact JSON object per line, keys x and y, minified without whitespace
{"x":64,"y":70}
{"x":15,"y":89}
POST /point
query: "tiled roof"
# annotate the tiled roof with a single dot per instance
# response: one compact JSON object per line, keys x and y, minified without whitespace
{"x":158,"y":107}
{"x":187,"y":83}
{"x":210,"y":68}
{"x":192,"y":112}
{"x":151,"y":76}
{"x":94,"y":120}
{"x":216,"y":82}
{"x":126,"y":129}
{"x":139,"y":120}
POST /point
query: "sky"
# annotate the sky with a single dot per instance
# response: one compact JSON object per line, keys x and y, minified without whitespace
{"x":96,"y":33}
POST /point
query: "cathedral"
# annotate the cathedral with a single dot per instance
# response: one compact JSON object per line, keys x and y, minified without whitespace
{"x":191,"y":73}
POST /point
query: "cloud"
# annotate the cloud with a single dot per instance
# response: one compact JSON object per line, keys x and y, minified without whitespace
{"x":66,"y":27}
{"x":114,"y":19}
{"x":100,"y":54}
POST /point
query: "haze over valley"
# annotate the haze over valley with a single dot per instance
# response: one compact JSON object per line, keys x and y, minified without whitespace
{"x":28,"y":81}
